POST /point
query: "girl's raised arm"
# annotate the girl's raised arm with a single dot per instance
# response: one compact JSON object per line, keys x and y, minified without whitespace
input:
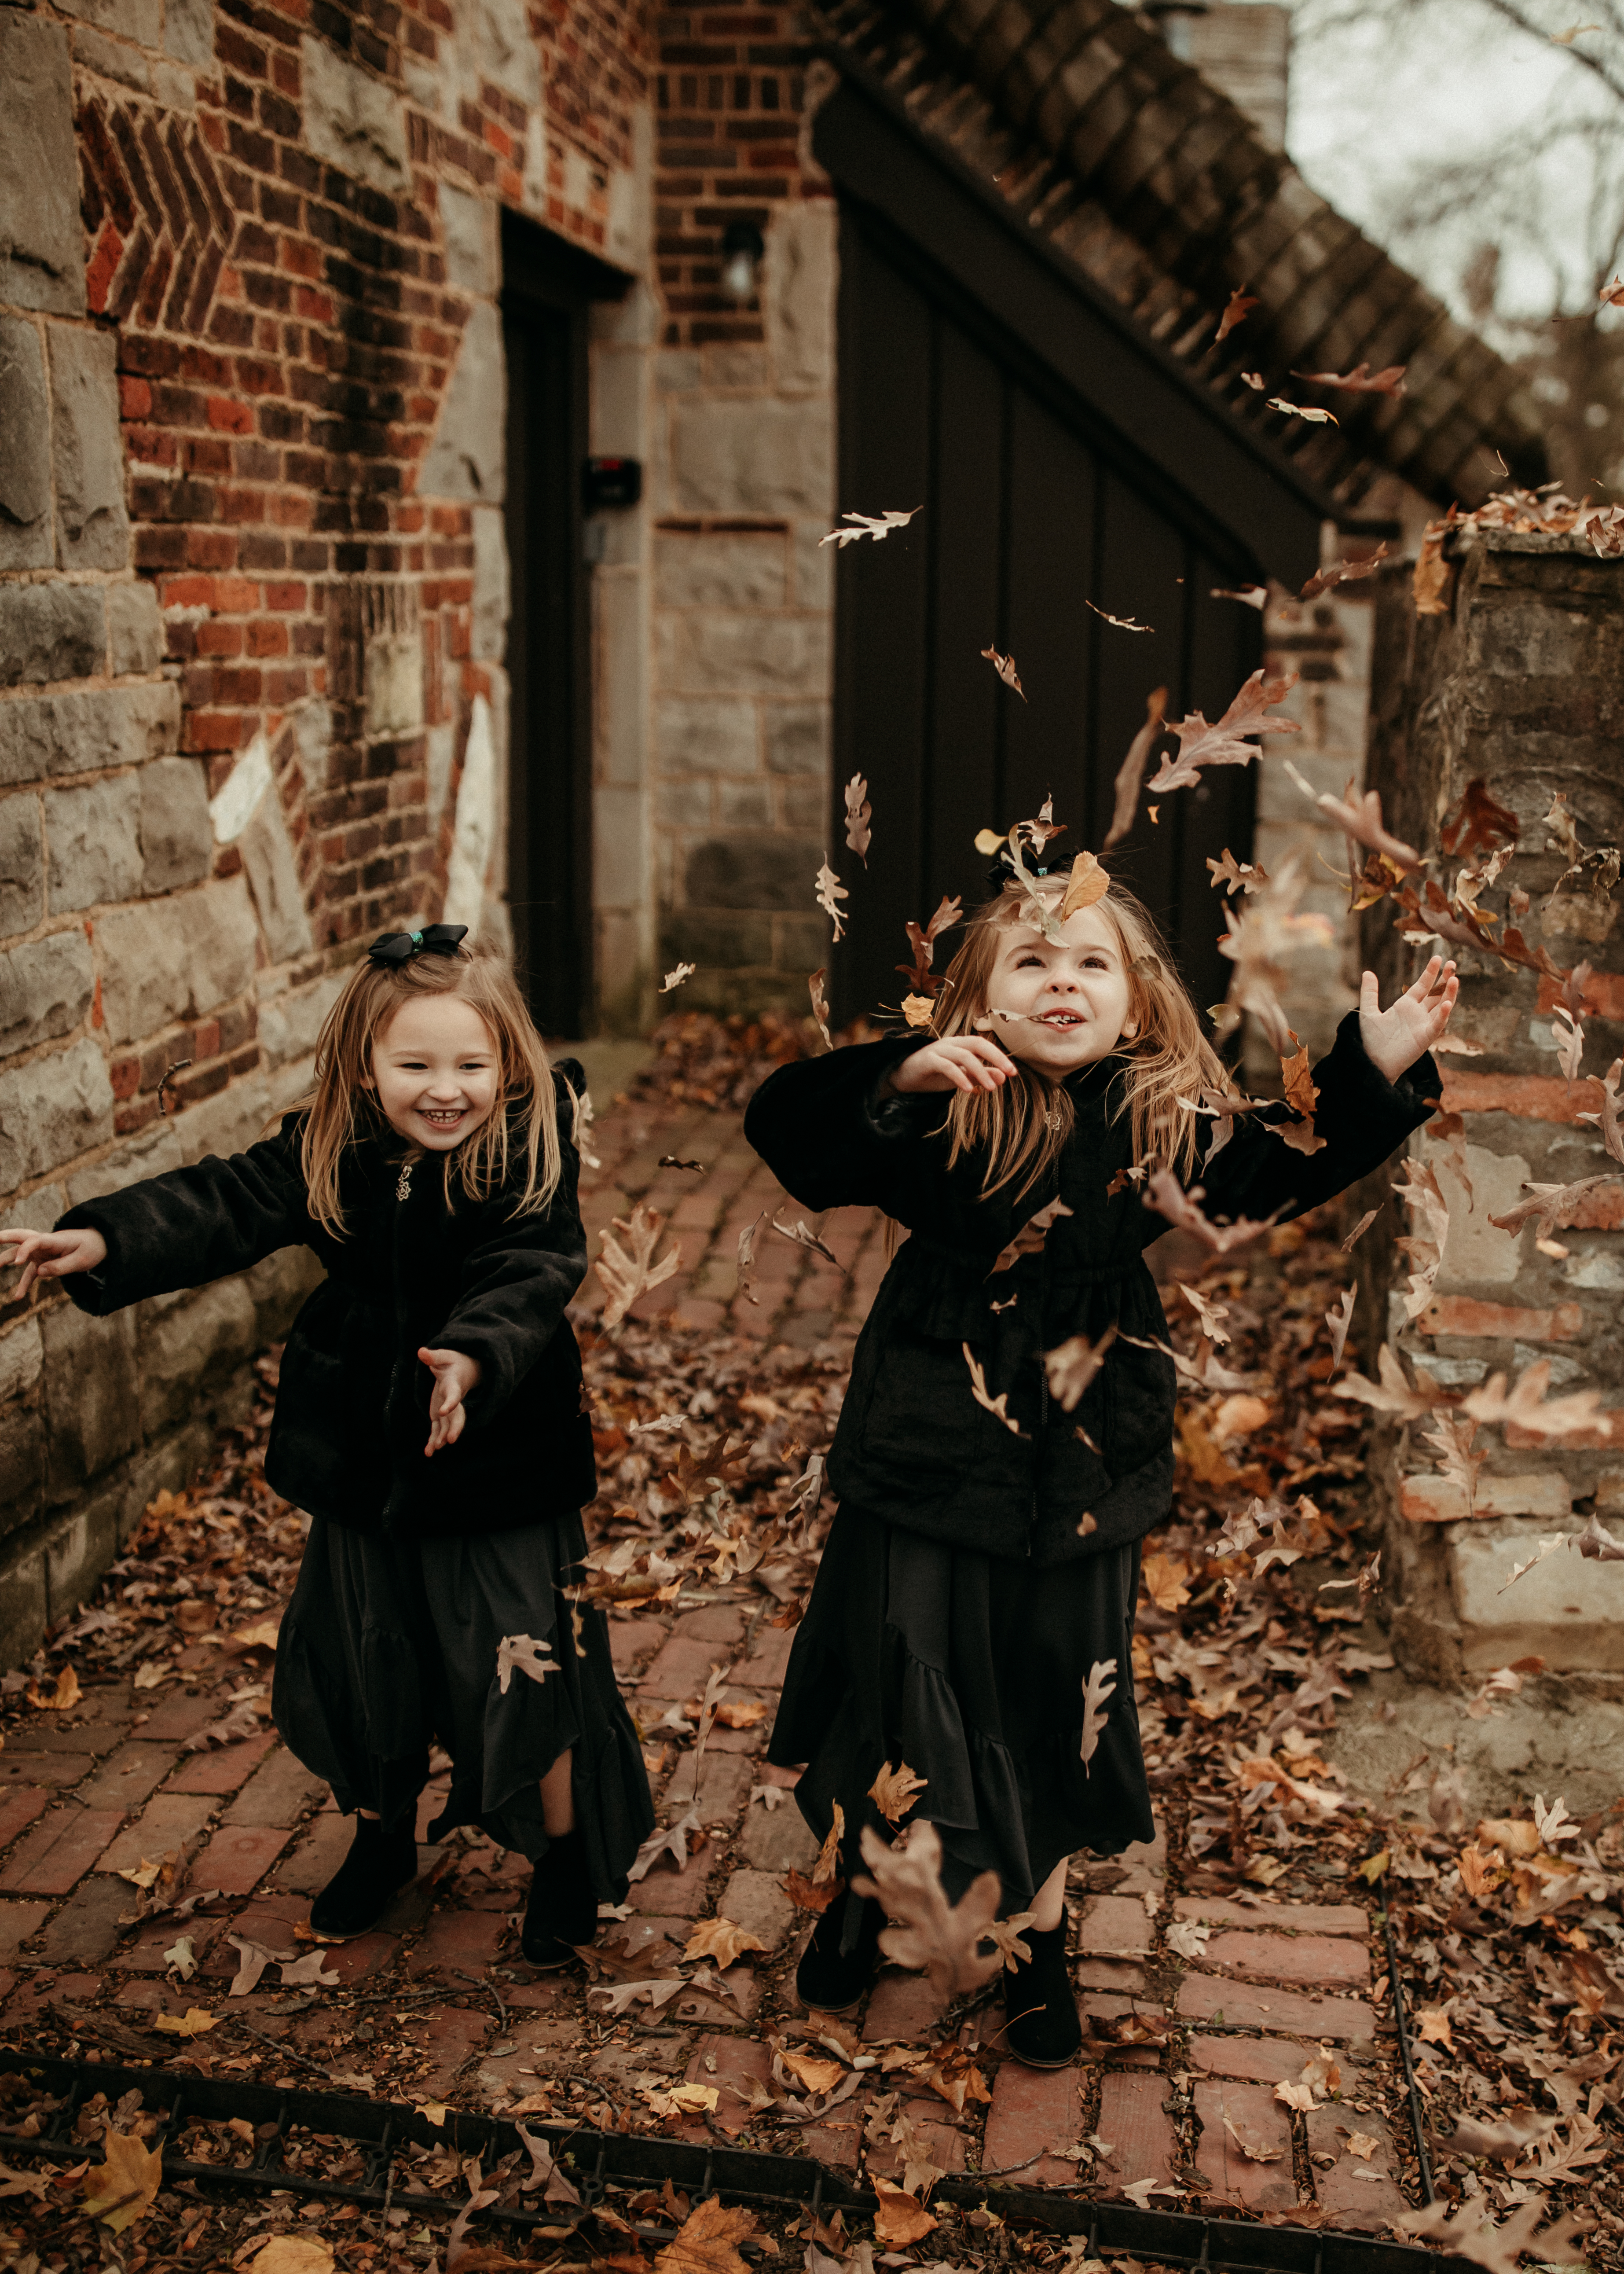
{"x":830,"y":1129}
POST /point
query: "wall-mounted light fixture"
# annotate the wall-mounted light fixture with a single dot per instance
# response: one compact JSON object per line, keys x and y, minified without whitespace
{"x":742,"y":248}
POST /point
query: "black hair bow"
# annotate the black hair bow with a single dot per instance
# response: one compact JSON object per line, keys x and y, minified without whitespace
{"x":392,"y":947}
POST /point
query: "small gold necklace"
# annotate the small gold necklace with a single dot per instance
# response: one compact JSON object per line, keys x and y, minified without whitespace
{"x":403,"y":1189}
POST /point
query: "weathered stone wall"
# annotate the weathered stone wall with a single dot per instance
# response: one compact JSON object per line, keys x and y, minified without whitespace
{"x":1521,"y":683}
{"x":252,"y":611}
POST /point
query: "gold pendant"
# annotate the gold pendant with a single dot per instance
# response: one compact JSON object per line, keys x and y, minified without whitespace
{"x":1051,"y":1119}
{"x":402,"y":1190}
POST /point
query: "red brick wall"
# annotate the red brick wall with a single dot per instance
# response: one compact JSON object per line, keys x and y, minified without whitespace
{"x":728,"y":99}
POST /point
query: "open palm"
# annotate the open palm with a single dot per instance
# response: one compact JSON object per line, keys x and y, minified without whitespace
{"x":1395,"y":1038}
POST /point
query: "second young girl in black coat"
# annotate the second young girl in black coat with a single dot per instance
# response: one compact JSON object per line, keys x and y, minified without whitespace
{"x":982,"y":1565}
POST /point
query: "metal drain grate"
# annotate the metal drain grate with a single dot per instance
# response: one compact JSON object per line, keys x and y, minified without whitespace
{"x":603,"y":2159}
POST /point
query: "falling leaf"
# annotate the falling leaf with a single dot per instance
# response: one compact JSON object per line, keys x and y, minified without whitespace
{"x":1527,"y":1406}
{"x":123,"y":2189}
{"x":878,"y":526}
{"x":1478,"y":823}
{"x":1004,"y":666}
{"x":1072,"y":1364}
{"x":1360,"y":380}
{"x":820,"y":1006}
{"x":627,"y":1272}
{"x":917,"y":1010}
{"x":1552,"y":1208}
{"x":927,"y":1931}
{"x":1343,"y":572}
{"x":1165,"y":1196}
{"x":1310,"y":411}
{"x":1359,"y":1230}
{"x":1474,"y":2235}
{"x":1236,"y":309}
{"x":1607,"y":1118}
{"x":830,"y":892}
{"x":704,"y":2243}
{"x":801,"y":1234}
{"x":1612,"y":296}
{"x":1339,"y":1321}
{"x":193,"y":2023}
{"x":747,"y":1261}
{"x":1435,"y":577}
{"x":998,"y":1406}
{"x":1226,"y":744}
{"x":674,"y":979}
{"x":1424,"y":1247}
{"x":989,"y":842}
{"x":806,"y":1894}
{"x":1164,"y":1577}
{"x":895,"y":1790}
{"x":720,"y":1940}
{"x":829,"y":1855}
{"x":1097,"y":1689}
{"x":899,"y":2218}
{"x":671,"y":1161}
{"x":857,"y":814}
{"x":1131,"y":773}
{"x":1123,"y":623}
{"x":524,"y":1654}
{"x":1250,"y":596}
{"x":1030,"y":1240}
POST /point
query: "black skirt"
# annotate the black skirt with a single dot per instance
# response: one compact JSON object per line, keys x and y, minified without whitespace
{"x":390,"y":1643}
{"x":970,"y":1668}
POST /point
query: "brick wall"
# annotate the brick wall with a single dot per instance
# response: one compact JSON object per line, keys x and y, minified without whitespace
{"x":253,"y":609}
{"x":1520,"y":681}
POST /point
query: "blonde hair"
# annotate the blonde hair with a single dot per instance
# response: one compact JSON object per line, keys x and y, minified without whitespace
{"x":1024,"y":1126}
{"x":521,"y":1127}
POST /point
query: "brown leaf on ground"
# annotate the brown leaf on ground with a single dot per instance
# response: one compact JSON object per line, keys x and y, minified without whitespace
{"x":812,"y":2075}
{"x":292,"y":2254}
{"x":720,"y":1940}
{"x":1498,"y":2248}
{"x":900,"y":2218}
{"x":121,"y":2189}
{"x":706,"y":2242}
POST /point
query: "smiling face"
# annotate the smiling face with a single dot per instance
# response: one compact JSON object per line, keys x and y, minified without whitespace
{"x":435,"y":1068}
{"x":1073,"y":999}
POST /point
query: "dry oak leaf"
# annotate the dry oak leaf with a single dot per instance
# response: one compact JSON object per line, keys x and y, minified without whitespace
{"x":674,"y":979}
{"x":1226,"y":742}
{"x":820,"y":1004}
{"x":627,"y":1272}
{"x":877,"y":525}
{"x":895,"y":1790}
{"x":1072,"y":1364}
{"x":1123,"y":623}
{"x":998,"y":1406}
{"x":928,"y":1931}
{"x":704,"y":2243}
{"x":829,"y":891}
{"x":829,"y":1855}
{"x":859,"y":812}
{"x":721,"y":1939}
{"x":121,"y":2189}
{"x":1360,"y":380}
{"x":806,"y":1895}
{"x":1475,"y":2235}
{"x":917,"y":1010}
{"x":1098,"y":1689}
{"x":1004,"y":666}
{"x":524,"y":1654}
{"x":1030,"y":1239}
{"x":292,"y":2254}
{"x":900,"y":2217}
{"x":1550,"y":1208}
{"x":1343,"y":572}
{"x":1309,"y":410}
{"x":1236,"y":309}
{"x":1131,"y":773}
{"x":1432,"y":2027}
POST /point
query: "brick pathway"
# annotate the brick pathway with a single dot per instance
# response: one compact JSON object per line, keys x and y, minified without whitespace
{"x":1191,"y":2036}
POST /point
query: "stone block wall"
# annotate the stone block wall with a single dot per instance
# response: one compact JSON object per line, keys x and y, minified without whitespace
{"x":253,"y":612}
{"x":1521,"y":683}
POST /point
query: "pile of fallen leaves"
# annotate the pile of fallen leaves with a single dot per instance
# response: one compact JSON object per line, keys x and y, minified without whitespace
{"x":700,"y":1059}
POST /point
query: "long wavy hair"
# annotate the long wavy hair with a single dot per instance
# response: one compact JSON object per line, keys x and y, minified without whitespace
{"x":519,"y":1137}
{"x":1022,"y":1128}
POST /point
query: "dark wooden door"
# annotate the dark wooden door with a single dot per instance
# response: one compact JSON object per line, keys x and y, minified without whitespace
{"x":546,"y":288}
{"x":1029,"y":512}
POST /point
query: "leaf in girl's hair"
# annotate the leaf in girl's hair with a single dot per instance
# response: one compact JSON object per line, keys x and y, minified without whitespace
{"x":877,"y":525}
{"x":820,"y":1006}
{"x":1236,"y":876}
{"x":1250,"y":596}
{"x":894,"y":1791}
{"x":1424,"y":1245}
{"x":1343,"y":572}
{"x":1226,"y":744}
{"x":1072,"y":1364}
{"x":899,"y":2218}
{"x":524,"y":1654}
{"x":1211,"y":1316}
{"x":1030,"y":1239}
{"x":1086,"y":884}
{"x":1359,"y":1230}
{"x":1236,"y":309}
{"x":917,"y":1010}
{"x":1360,"y":380}
{"x":1004,"y":666}
{"x":674,"y":979}
{"x":858,"y":814}
{"x":829,"y":1855}
{"x":1339,"y":1319}
{"x":123,"y":2189}
{"x":721,"y":1939}
{"x":998,"y":1406}
{"x":747,"y":1261}
{"x":802,"y":1236}
{"x":928,"y":1931}
{"x":808,"y":1896}
{"x":1123,"y":623}
{"x":1098,"y":1690}
{"x":830,"y":893}
{"x":1131,"y":773}
{"x":1309,"y":410}
{"x":1477,"y":822}
{"x":627,"y":1272}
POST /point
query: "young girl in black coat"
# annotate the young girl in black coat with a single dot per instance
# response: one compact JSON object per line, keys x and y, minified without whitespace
{"x":429,"y":1418}
{"x":978,"y":1568}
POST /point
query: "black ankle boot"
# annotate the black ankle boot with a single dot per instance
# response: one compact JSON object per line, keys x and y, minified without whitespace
{"x":562,"y":1914}
{"x":1042,"y":2027}
{"x":829,"y":1981}
{"x":380,"y":1863}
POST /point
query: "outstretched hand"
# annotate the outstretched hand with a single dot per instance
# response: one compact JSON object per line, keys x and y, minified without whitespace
{"x":50,"y":1255}
{"x":1395,"y":1038}
{"x":456,"y":1374}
